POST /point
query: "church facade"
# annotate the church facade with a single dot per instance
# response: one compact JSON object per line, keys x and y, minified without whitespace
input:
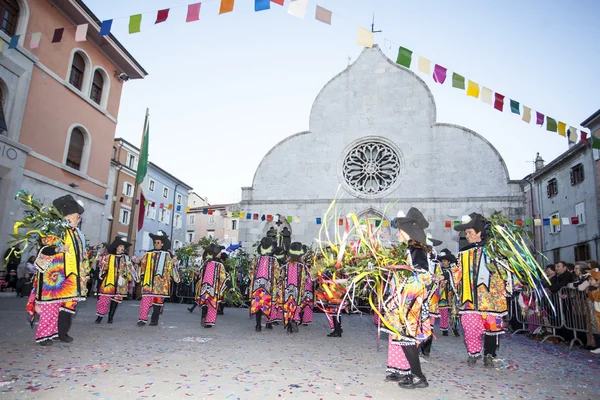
{"x":375,"y":145}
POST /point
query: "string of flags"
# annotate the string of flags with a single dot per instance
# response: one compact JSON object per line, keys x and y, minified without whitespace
{"x":532,"y":221}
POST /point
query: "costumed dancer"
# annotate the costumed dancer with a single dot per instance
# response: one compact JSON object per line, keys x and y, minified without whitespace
{"x":206,"y":257}
{"x":293,"y":281}
{"x":447,"y":296}
{"x":115,"y":276}
{"x":277,"y":302}
{"x":482,"y":288}
{"x":212,"y":285}
{"x":62,"y":281}
{"x":156,"y":270}
{"x":308,"y":299}
{"x":330,"y":294}
{"x":264,"y":275}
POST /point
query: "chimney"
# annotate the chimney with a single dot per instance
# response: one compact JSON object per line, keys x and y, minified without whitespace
{"x":539,"y":162}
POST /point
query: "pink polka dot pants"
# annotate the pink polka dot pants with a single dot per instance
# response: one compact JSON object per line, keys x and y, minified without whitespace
{"x":211,"y":314}
{"x":102,"y":307}
{"x":473,"y":326}
{"x":444,"y":319}
{"x":48,"y":323}
{"x":307,"y":315}
{"x":397,"y":362}
{"x":145,"y":305}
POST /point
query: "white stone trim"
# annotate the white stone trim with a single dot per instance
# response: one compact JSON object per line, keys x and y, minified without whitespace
{"x":23,"y":20}
{"x":70,"y":170}
{"x":105,"y":87}
{"x":74,"y":90}
{"x":85,"y":156}
{"x":86,"y":82}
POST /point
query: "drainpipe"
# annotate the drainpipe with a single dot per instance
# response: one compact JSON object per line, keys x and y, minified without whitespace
{"x":114,"y":202}
{"x":173,"y":213}
{"x":532,"y":213}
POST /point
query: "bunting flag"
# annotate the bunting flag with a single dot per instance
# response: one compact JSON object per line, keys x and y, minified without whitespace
{"x":323,"y":15}
{"x":193,"y":12}
{"x":81,"y":33}
{"x":105,"y":197}
{"x":263,"y":217}
{"x":595,"y":142}
{"x":236,"y":214}
{"x":178,"y":208}
{"x":551,"y":125}
{"x":583,"y":139}
{"x":572,"y":134}
{"x":280,"y":2}
{"x":249,"y":216}
{"x":229,"y":214}
{"x":439,"y":74}
{"x":269,"y":217}
{"x":526,"y":114}
{"x":211,"y":212}
{"x":546,"y":221}
{"x":318,"y":221}
{"x":566,"y":221}
{"x":539,"y":120}
{"x":448,"y":224}
{"x":255,"y":217}
{"x":162,"y":205}
{"x":386,"y":223}
{"x":121,"y":199}
{"x":365,"y":37}
{"x":575,"y":220}
{"x":114,"y":198}
{"x":456,"y":223}
{"x":242,"y":215}
{"x":34,"y":43}
{"x":261,"y":5}
{"x":486,"y":95}
{"x":297,"y":220}
{"x":562,"y":129}
{"x":378,"y":222}
{"x":537,"y":222}
{"x":341,"y":221}
{"x":135,"y":23}
{"x":289,"y":218}
{"x":298,"y":8}
{"x":519,"y":222}
{"x":106,"y":27}
{"x":424,"y":65}
{"x":226,"y":6}
{"x":58,"y":34}
{"x":404,"y":57}
{"x":528,"y":222}
{"x":472,"y":89}
{"x":458,"y":81}
{"x":499,"y":102}
{"x":555,"y":221}
{"x":514,"y":107}
{"x":162,"y":16}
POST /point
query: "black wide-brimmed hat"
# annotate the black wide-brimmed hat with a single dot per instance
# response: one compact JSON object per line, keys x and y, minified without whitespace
{"x":472,"y":221}
{"x":279,"y":253}
{"x":208,"y":252}
{"x":68,"y":205}
{"x":112,"y":248}
{"x":216,"y":250}
{"x":413,"y":223}
{"x":297,"y":249}
{"x":266,"y":246}
{"x":163,"y":237}
{"x":432,"y":242}
{"x":446,"y":254}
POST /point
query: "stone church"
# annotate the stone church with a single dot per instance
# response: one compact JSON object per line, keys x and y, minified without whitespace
{"x":374,"y":135}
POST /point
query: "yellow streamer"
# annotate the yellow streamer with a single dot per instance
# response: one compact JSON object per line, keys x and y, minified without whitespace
{"x":147,"y":270}
{"x":70,"y":255}
{"x":110,"y":279}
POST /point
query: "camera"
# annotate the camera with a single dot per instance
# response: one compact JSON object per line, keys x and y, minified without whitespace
{"x":122,"y":76}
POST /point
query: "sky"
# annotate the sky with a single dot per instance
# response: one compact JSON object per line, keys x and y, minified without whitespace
{"x":224,"y":90}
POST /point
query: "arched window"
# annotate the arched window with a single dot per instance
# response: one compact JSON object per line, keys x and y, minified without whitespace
{"x":9,"y":12}
{"x":77,"y":71}
{"x":97,"y":86}
{"x":75,"y":152}
{"x":3,"y":127}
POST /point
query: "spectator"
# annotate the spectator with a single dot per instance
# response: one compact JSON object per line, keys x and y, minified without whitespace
{"x":594,"y":296}
{"x":30,"y":268}
{"x":562,"y":278}
{"x":12,"y":257}
{"x":570,"y":267}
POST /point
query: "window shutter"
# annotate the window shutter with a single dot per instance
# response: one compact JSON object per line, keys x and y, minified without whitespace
{"x":76,"y":144}
{"x":548,"y":190}
{"x":572,"y":178}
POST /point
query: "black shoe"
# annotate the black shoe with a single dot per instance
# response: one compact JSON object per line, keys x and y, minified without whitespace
{"x":258,"y":328}
{"x":304,"y":324}
{"x":269,"y":326}
{"x":98,"y":320}
{"x":110,"y":319}
{"x":395,"y":377}
{"x":444,"y":333}
{"x":65,"y":339}
{"x":471,"y":361}
{"x":295,"y":328}
{"x":46,"y":343}
{"x":208,"y":326}
{"x":414,"y":382}
{"x":141,"y":323}
{"x":425,"y":354}
{"x":153,"y":323}
{"x":488,"y":361}
{"x":275,"y":323}
{"x":190,"y":310}
{"x":202,"y":323}
{"x":455,"y":332}
{"x":335,"y":334}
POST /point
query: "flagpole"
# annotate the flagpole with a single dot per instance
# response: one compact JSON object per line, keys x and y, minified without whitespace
{"x":136,"y":187}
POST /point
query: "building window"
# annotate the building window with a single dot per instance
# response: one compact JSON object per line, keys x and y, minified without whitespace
{"x":190,"y":237}
{"x":211,"y":219}
{"x":210,"y":234}
{"x":9,"y":10}
{"x":128,"y":189}
{"x":3,"y":126}
{"x":177,"y":221}
{"x":97,"y":85}
{"x":132,"y":161}
{"x":176,"y":244}
{"x":191,"y":219}
{"x":577,"y":174}
{"x":554,"y":228}
{"x":151,"y":184}
{"x":114,"y":154}
{"x":582,"y":252}
{"x":179,"y":199}
{"x":552,"y":188}
{"x":124,"y":216}
{"x":234,"y":224}
{"x":580,"y":213}
{"x":556,"y":255}
{"x":75,"y":152}
{"x":164,"y":216}
{"x":77,"y":71}
{"x":166,"y":192}
{"x":151,"y":212}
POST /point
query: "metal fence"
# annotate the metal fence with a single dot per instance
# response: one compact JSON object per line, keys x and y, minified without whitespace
{"x":578,"y":314}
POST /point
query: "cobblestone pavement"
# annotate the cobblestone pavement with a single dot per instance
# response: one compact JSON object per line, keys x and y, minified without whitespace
{"x":180,"y":360}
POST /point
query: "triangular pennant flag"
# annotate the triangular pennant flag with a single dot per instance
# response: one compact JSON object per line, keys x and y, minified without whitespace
{"x":404,"y":57}
{"x":365,"y":37}
{"x":58,"y":34}
{"x":34,"y":43}
{"x":298,"y":8}
{"x":562,"y":129}
{"x":135,"y":23}
{"x":439,"y":74}
{"x":323,"y":15}
{"x":162,"y":16}
{"x":261,"y":5}
{"x":539,"y":120}
{"x":526,"y":114}
{"x":486,"y":95}
{"x":551,"y":125}
{"x":106,"y":27}
{"x":424,"y":65}
{"x":458,"y":81}
{"x":81,"y":33}
{"x":514,"y":107}
{"x":472,"y":89}
{"x":193,"y":12}
{"x":499,"y":102}
{"x":226,"y":6}
{"x":566,"y":221}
